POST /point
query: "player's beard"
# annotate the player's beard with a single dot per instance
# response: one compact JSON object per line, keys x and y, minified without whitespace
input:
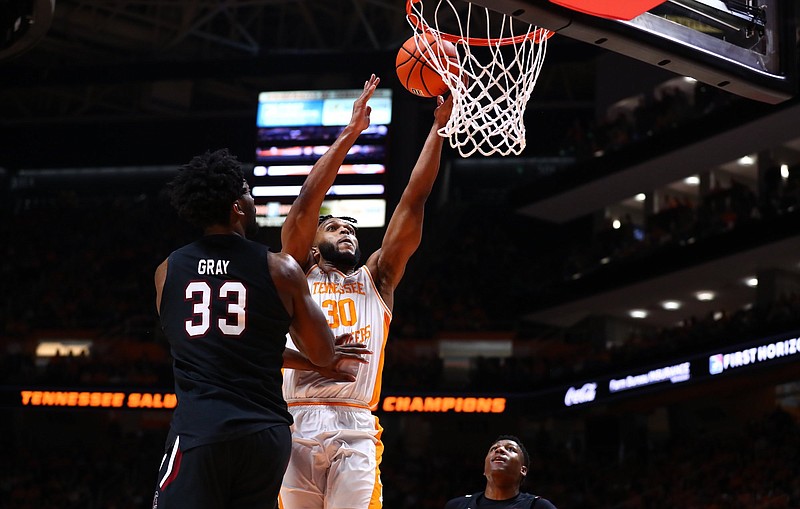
{"x":329,"y":252}
{"x":251,"y":230}
{"x":251,"y":226}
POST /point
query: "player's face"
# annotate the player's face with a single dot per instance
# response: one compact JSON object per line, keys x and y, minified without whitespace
{"x":337,"y":243}
{"x":505,"y":456}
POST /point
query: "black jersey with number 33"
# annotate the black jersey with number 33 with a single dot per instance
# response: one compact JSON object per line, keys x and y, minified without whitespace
{"x":227,"y":330}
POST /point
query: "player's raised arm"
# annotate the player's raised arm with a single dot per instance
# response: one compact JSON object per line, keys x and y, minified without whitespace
{"x":297,"y":233}
{"x":341,"y":367}
{"x":309,"y":327}
{"x":404,"y":232}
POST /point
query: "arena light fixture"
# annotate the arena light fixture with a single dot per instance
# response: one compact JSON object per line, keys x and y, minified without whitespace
{"x":705,"y":296}
{"x":638,"y":313}
{"x":671,"y":305}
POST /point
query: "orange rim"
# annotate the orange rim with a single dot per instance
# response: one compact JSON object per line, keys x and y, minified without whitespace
{"x":536,"y":36}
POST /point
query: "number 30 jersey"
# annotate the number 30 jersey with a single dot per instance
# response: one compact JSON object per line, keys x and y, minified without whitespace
{"x":226,"y":326}
{"x":352,"y":305}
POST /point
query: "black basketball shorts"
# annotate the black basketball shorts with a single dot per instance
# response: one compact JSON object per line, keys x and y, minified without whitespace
{"x":244,"y":473}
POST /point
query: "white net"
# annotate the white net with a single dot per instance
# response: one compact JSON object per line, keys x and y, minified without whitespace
{"x":499,"y":62}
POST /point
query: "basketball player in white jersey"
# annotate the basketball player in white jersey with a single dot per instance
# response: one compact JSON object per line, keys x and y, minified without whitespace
{"x":336,"y":441}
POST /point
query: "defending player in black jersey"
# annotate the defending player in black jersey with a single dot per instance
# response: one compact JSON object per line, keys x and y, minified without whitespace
{"x":226,"y":304}
{"x":505,"y":468}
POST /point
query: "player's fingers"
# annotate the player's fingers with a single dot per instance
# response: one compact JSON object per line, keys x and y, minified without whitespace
{"x":359,"y":356}
{"x":355,"y":357}
{"x":359,"y":348}
{"x":344,"y":338}
{"x":351,"y":347}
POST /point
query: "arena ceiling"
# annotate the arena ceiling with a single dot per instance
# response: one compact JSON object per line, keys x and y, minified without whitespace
{"x":113,"y":57}
{"x":86,"y":59}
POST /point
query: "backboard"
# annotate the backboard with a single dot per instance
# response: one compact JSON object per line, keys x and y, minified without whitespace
{"x":746,"y":47}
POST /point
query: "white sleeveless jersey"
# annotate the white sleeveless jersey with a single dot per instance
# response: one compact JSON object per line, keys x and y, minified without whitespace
{"x":352,"y":305}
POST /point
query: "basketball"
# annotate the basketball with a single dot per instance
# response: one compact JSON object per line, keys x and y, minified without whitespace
{"x":417,"y":75}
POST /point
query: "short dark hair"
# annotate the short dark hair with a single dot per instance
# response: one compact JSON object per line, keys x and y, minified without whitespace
{"x":349,"y":219}
{"x":525,"y":456}
{"x":204,"y":189}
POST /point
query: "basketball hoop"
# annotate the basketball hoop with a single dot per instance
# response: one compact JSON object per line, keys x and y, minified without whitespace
{"x":499,"y":61}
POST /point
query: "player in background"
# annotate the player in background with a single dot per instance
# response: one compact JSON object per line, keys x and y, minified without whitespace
{"x":336,"y":441}
{"x":226,"y":304}
{"x":505,"y":468}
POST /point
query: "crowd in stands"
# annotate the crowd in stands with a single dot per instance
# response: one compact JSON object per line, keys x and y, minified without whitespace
{"x":81,"y":267}
{"x":458,"y":286}
{"x":473,"y":273}
{"x":680,"y":221}
{"x":98,"y":467}
{"x":655,"y":112}
{"x":710,"y":469}
{"x":98,"y":464}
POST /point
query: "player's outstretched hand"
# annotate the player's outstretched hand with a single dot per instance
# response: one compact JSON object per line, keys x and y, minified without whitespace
{"x":361,"y":110}
{"x":346,"y":358}
{"x":444,"y":108}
